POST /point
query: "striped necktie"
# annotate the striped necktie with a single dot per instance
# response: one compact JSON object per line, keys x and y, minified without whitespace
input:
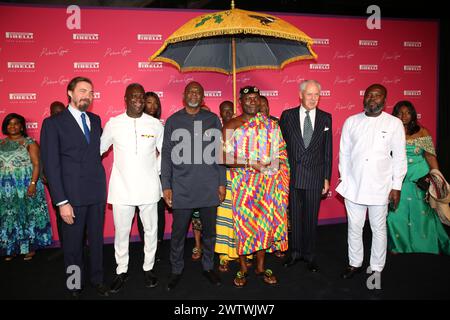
{"x":307,"y":130}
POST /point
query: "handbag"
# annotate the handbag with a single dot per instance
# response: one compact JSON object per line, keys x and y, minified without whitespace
{"x":423,"y":183}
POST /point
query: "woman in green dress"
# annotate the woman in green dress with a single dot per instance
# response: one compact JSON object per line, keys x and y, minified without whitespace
{"x":24,"y":220}
{"x":415,"y":226}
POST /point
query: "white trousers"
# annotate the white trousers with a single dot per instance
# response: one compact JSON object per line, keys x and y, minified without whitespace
{"x":123,"y":218}
{"x":356,"y":218}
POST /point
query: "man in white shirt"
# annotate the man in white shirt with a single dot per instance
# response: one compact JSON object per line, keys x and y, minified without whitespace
{"x":372,"y":165}
{"x":136,"y":137}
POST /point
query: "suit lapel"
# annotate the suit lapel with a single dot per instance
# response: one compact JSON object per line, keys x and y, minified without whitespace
{"x":72,"y":125}
{"x":318,"y":127}
{"x":296,"y":127}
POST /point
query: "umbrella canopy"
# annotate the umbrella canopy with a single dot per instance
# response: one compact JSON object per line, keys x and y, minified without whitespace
{"x":233,"y":41}
{"x":262,"y":41}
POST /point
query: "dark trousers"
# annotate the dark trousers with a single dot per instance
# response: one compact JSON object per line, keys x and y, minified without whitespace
{"x":180,"y":224}
{"x":91,"y":218}
{"x":59,"y":225}
{"x":304,"y":207}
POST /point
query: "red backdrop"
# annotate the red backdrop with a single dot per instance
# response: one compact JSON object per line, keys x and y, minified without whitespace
{"x":39,"y":55}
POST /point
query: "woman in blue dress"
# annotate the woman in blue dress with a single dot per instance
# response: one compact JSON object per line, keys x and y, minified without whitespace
{"x":24,"y":219}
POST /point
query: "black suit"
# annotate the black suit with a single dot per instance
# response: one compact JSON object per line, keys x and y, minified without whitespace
{"x":75,"y":173}
{"x":309,"y":168}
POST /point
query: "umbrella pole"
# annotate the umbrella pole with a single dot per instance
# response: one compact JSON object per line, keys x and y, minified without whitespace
{"x":233,"y":54}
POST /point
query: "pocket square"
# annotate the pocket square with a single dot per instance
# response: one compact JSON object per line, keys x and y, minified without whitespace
{"x":326,"y":129}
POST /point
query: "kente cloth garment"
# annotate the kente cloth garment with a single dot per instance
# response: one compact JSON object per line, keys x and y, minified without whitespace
{"x":260,"y":199}
{"x":226,"y":241}
{"x":415,"y":226}
{"x":24,"y":221}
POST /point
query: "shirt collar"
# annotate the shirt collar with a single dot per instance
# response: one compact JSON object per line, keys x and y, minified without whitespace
{"x":75,"y":111}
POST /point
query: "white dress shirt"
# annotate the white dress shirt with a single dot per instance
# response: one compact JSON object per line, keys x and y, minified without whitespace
{"x":368,"y":171}
{"x":135,"y":174}
{"x":77,"y":115}
{"x":312,"y":115}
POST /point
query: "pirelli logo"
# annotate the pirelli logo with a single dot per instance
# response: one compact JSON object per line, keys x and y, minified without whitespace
{"x":85,"y":36}
{"x":22,"y":96}
{"x":21,"y":65}
{"x":412,"y":93}
{"x":368,"y":67}
{"x":361,"y":93}
{"x":319,"y":66}
{"x":368,"y":43}
{"x":97,"y":95}
{"x":19,"y":35}
{"x":150,"y":65}
{"x":323,"y":42}
{"x":160,"y":93}
{"x":269,"y":93}
{"x":31,"y":125}
{"x":325,"y":93}
{"x":412,"y":44}
{"x":213,"y":94}
{"x":414,"y":68}
{"x":86,"y":65}
{"x":149,"y":37}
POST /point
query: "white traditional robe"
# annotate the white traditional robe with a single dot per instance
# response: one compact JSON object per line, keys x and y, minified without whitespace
{"x":372,"y":158}
{"x":136,"y":168}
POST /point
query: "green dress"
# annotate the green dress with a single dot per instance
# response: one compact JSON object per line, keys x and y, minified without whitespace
{"x":24,"y":221}
{"x":415,"y":226}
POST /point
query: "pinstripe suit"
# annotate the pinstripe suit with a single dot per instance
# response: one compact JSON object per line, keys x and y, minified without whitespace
{"x":309,"y":168}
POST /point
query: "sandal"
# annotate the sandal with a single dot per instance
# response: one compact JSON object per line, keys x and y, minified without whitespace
{"x":9,"y":258}
{"x":279,"y":254}
{"x":29,"y":256}
{"x":267,"y":277}
{"x":196,"y":254}
{"x":224,"y":266}
{"x":240,"y":280}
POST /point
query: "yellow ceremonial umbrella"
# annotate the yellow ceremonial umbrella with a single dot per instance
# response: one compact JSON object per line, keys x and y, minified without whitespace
{"x":233,"y":41}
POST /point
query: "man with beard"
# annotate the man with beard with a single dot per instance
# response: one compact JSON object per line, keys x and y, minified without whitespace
{"x":372,"y":165}
{"x":192,"y":178}
{"x":136,"y":138}
{"x":70,"y":145}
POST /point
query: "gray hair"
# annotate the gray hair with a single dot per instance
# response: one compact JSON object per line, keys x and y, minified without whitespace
{"x":306,"y":82}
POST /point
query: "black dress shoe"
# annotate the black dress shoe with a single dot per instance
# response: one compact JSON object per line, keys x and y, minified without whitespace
{"x":173,"y":281}
{"x":212,"y":277}
{"x":151,"y":280}
{"x":118,"y":282}
{"x":350,"y":271}
{"x":102,"y":290}
{"x":290,"y":261}
{"x":312,"y":266}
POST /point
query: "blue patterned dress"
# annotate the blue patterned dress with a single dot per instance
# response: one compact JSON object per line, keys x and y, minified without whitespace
{"x":24,"y":221}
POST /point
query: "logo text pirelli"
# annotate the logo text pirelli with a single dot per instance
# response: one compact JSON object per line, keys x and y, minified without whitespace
{"x":22,"y":96}
{"x":412,"y":93}
{"x":160,"y":94}
{"x":319,"y":66}
{"x":19,"y":35}
{"x":85,"y":36}
{"x":325,"y":93}
{"x":412,"y":44}
{"x":149,"y":37}
{"x":150,"y":65}
{"x":86,"y":65}
{"x":97,"y":95}
{"x":323,"y":42}
{"x":269,"y":93}
{"x":212,"y":93}
{"x":31,"y":125}
{"x":368,"y":67}
{"x":21,"y":65}
{"x":368,"y":43}
{"x":412,"y":68}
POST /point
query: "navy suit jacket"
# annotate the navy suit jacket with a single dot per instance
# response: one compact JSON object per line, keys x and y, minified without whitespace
{"x":309,"y":166}
{"x":73,"y":167}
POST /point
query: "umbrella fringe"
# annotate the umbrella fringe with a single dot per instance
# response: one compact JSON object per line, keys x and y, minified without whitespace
{"x":249,"y":68}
